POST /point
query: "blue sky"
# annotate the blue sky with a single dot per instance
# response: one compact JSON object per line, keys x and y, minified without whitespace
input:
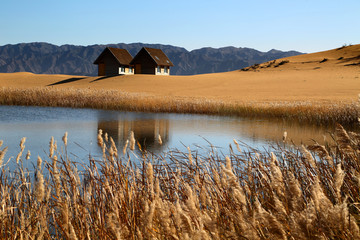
{"x":306,"y":25}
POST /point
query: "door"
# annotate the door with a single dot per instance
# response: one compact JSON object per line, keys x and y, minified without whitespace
{"x":137,"y":68}
{"x":101,"y":70}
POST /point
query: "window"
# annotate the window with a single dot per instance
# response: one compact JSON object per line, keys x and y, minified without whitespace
{"x":130,"y":69}
{"x":158,"y":69}
{"x":122,"y":69}
{"x":166,"y":70}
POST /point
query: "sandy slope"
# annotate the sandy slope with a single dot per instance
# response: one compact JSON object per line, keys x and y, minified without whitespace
{"x":304,"y":77}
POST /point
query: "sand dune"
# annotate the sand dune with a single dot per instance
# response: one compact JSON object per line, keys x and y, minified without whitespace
{"x":324,"y":76}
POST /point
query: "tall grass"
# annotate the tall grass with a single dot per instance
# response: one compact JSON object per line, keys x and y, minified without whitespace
{"x":310,"y":193}
{"x":302,"y":111}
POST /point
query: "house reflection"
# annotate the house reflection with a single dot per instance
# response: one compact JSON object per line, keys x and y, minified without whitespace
{"x":146,"y":132}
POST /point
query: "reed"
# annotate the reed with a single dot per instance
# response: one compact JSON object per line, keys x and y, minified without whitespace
{"x":304,"y":111}
{"x":307,"y":193}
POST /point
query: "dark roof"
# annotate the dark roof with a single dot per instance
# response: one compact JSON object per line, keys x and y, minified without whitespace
{"x":157,"y":55}
{"x":121,"y":55}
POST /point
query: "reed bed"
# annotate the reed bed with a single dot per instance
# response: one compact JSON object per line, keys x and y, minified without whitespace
{"x":302,"y":111}
{"x":308,"y":193}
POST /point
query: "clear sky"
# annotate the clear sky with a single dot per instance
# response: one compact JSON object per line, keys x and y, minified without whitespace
{"x":302,"y":25}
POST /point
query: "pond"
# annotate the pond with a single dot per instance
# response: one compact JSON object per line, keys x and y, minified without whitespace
{"x":39,"y":124}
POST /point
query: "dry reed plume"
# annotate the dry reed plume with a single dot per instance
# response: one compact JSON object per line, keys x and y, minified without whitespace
{"x":302,"y":111}
{"x":312,"y":193}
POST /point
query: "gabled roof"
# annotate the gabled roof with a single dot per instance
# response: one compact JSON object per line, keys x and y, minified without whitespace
{"x":121,"y":55}
{"x":157,"y":55}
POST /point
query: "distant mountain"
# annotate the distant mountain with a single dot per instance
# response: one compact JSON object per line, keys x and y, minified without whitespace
{"x":78,"y":60}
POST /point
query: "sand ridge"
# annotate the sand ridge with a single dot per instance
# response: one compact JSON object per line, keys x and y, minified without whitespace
{"x":324,"y":76}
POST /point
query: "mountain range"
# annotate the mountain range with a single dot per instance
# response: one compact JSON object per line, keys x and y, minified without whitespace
{"x":45,"y":58}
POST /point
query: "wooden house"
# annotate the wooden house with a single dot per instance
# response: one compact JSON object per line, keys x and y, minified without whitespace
{"x":114,"y":61}
{"x":151,"y":61}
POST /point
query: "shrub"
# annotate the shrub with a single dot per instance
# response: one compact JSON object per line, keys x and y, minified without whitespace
{"x":324,"y":60}
{"x":281,"y":63}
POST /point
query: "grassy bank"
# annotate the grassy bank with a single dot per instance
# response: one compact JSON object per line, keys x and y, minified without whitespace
{"x":183,"y":195}
{"x":302,"y":111}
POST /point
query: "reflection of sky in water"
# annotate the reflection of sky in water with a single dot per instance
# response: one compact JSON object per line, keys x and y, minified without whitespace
{"x":38,"y":124}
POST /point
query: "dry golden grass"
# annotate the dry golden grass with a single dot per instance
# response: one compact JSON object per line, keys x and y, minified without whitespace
{"x":304,"y":111}
{"x":312,"y":193}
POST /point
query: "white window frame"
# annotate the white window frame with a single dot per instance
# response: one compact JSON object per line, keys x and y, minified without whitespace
{"x":166,"y":70}
{"x":130,"y":70}
{"x":122,"y":69}
{"x":158,"y":69}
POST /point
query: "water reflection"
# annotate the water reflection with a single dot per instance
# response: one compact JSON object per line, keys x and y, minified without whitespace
{"x":146,"y":132}
{"x":272,"y":130}
{"x":176,"y":130}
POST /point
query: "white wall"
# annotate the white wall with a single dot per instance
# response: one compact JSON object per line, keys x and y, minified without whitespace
{"x":126,"y":72}
{"x":162,"y":71}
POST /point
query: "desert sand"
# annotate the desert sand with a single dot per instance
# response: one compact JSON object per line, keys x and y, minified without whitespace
{"x":332,"y":75}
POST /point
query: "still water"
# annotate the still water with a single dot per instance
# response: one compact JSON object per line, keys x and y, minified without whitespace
{"x":39,"y":124}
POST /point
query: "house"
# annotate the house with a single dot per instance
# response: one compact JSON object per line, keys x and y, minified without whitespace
{"x":151,"y":61}
{"x":114,"y":61}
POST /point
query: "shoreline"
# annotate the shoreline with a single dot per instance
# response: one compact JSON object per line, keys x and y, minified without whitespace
{"x":314,"y":112}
